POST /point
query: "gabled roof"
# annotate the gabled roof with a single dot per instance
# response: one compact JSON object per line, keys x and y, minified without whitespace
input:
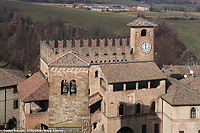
{"x":179,"y":94}
{"x":128,"y":72}
{"x":141,"y":22}
{"x":34,"y":88}
{"x":69,"y":59}
{"x":10,"y":77}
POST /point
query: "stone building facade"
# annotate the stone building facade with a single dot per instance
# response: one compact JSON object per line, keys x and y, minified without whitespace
{"x":115,"y":86}
{"x":9,"y":96}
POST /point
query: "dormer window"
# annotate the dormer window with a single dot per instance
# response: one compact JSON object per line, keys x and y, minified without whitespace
{"x":144,"y":32}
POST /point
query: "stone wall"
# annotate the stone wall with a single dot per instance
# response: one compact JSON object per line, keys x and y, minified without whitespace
{"x":34,"y":121}
{"x":67,"y":110}
{"x":10,"y":111}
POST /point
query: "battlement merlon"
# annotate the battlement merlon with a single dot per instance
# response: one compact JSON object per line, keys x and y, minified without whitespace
{"x":93,"y":47}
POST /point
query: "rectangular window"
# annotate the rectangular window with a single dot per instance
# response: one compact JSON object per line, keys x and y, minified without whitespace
{"x":155,"y":83}
{"x":156,"y":128}
{"x":15,"y":104}
{"x":131,"y":86}
{"x":144,"y":128}
{"x":118,"y":87}
{"x":143,"y":85}
{"x":15,"y":89}
{"x":198,"y":131}
{"x":181,"y":131}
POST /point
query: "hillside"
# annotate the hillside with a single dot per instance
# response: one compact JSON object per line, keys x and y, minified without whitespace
{"x":77,"y":24}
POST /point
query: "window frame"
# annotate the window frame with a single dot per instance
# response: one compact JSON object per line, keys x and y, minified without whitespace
{"x":143,"y":32}
{"x":193,"y":113}
{"x":70,"y":88}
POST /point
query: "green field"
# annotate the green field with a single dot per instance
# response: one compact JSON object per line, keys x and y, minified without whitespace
{"x":188,"y":31}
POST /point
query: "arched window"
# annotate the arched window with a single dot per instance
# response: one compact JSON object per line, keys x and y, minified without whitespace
{"x":144,"y":32}
{"x":193,"y":113}
{"x":121,"y":109}
{"x":72,"y":87}
{"x":138,"y":108}
{"x":153,"y":106}
{"x":96,"y":74}
{"x":64,"y":87}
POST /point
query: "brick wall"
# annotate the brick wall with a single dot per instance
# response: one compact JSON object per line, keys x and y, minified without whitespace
{"x":34,"y":121}
{"x":67,"y":110}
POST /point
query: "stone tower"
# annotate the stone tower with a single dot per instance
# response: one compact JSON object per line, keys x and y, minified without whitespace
{"x":68,"y":92}
{"x":142,"y":39}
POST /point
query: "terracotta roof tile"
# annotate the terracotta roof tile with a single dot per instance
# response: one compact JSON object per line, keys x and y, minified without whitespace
{"x":10,"y":77}
{"x":127,"y":72}
{"x":94,"y":98}
{"x":141,"y":22}
{"x":191,"y":82}
{"x":181,"y":69}
{"x":179,"y":94}
{"x":34,"y":88}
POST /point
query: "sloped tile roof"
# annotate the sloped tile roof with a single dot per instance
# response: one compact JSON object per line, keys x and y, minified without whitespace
{"x":191,"y":82}
{"x":141,"y":22}
{"x":34,"y":88}
{"x":94,"y":98}
{"x":179,"y":94}
{"x":10,"y":77}
{"x":69,"y":59}
{"x":127,"y":72}
{"x":181,"y":69}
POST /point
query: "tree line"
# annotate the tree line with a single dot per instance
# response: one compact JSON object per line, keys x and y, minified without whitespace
{"x":20,"y":38}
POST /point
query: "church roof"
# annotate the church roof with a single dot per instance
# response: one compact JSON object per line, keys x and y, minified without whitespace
{"x":10,"y":77}
{"x":179,"y":94}
{"x":127,"y":72}
{"x":69,"y":59}
{"x":34,"y":88}
{"x":141,"y":22}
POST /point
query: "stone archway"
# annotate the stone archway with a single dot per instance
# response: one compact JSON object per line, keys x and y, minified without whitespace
{"x":125,"y":130}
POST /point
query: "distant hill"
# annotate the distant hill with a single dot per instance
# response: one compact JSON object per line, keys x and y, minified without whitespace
{"x":123,"y":2}
{"x":179,"y":2}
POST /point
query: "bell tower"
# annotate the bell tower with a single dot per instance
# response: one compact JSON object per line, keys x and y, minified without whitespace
{"x":142,"y":39}
{"x":68,"y":92}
